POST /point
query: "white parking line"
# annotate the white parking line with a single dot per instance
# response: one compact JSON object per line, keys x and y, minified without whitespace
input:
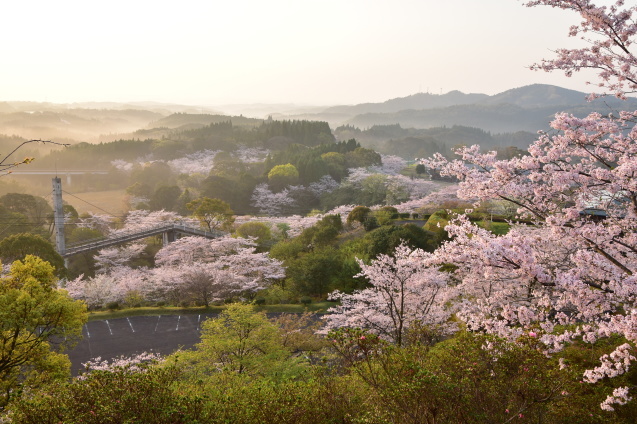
{"x":131,"y":324}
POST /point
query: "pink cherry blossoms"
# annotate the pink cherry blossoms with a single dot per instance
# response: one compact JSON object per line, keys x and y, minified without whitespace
{"x":568,"y":271}
{"x":404,"y":291}
{"x":608,"y":32}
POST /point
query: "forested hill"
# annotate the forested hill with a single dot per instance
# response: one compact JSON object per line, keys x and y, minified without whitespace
{"x":413,"y":143}
{"x":415,"y":101}
{"x":228,"y":134}
{"x":529,"y":108}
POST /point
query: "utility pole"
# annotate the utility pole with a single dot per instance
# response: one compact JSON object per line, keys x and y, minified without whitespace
{"x":58,"y":216}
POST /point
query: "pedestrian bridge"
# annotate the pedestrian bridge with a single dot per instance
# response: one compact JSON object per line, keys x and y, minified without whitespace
{"x":168,"y":232}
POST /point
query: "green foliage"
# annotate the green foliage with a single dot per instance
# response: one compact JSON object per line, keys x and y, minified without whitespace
{"x":437,"y":223}
{"x":24,"y":213}
{"x":139,"y":189}
{"x":469,"y":378}
{"x":153,"y":176}
{"x":287,"y":249}
{"x":358,"y":214}
{"x":119,"y":396}
{"x":166,"y":198}
{"x":315,"y":273}
{"x":236,"y":190}
{"x":336,"y":165}
{"x":313,"y":163}
{"x":15,"y":223}
{"x":240,"y":341}
{"x":362,"y":157}
{"x":34,"y":313}
{"x":314,"y":399}
{"x":214,"y":214}
{"x":260,"y":231}
{"x":497,"y":228}
{"x":308,"y":133}
{"x":384,"y":240}
{"x":374,"y":190}
{"x":282,"y":176}
{"x":276,"y":294}
{"x":18,"y":246}
{"x":456,"y":381}
{"x":35,"y":208}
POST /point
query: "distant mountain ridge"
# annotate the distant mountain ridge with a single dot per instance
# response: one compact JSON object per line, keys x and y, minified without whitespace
{"x":528,"y":108}
{"x":528,"y":96}
{"x":415,"y":101}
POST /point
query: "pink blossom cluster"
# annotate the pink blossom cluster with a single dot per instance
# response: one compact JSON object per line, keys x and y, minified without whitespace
{"x":609,"y":33}
{"x":390,"y":165}
{"x":616,"y":363}
{"x":251,"y":154}
{"x":404,"y":290}
{"x":122,"y":165}
{"x":131,"y":364}
{"x":568,"y":271}
{"x":619,"y":397}
{"x":216,"y":269}
{"x":200,"y":162}
{"x":99,"y":222}
{"x":139,"y":220}
{"x":270,"y":203}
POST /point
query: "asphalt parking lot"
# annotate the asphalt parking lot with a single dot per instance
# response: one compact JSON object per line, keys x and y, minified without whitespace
{"x":162,"y":334}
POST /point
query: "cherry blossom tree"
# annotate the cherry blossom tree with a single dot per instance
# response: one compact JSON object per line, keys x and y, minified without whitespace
{"x":100,"y":222}
{"x":572,"y":273}
{"x":96,"y":291}
{"x":270,"y":203}
{"x":115,"y":286}
{"x":391,"y":165}
{"x":247,"y":154}
{"x":404,"y":292}
{"x":213,"y":270}
{"x":609,"y":34}
{"x":122,"y":165}
{"x":326,"y":184}
{"x":200,"y":162}
{"x":139,"y":220}
{"x":112,"y":257}
{"x":440,"y":197}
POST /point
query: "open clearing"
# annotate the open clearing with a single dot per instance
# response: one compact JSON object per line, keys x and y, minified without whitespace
{"x":99,"y":202}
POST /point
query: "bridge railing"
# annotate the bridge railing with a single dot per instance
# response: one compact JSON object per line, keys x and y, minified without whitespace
{"x":126,"y":236}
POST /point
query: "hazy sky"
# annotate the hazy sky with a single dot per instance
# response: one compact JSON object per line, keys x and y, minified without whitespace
{"x":278,"y":51}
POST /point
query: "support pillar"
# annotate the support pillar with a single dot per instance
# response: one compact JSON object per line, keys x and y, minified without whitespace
{"x":58,"y":216}
{"x":168,"y":237}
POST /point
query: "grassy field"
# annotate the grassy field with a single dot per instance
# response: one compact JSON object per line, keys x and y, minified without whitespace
{"x":318,"y":307}
{"x":98,"y":202}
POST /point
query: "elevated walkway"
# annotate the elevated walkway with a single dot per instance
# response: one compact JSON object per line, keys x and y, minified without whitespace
{"x":168,"y":231}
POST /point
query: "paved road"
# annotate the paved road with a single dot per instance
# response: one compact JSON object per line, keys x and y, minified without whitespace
{"x":163,"y":334}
